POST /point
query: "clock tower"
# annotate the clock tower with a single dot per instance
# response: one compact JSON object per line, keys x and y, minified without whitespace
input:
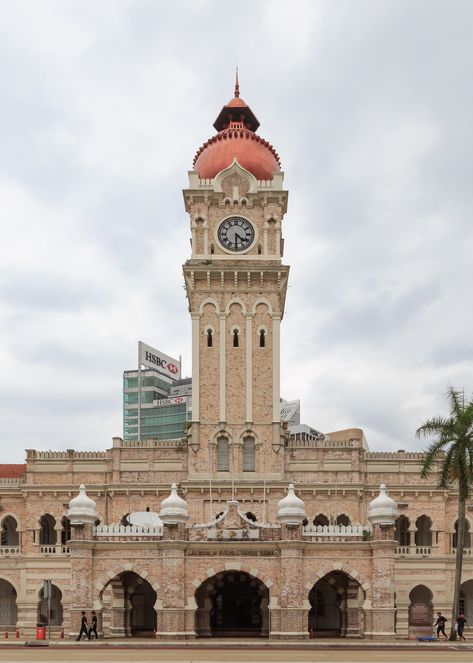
{"x":236,"y":288}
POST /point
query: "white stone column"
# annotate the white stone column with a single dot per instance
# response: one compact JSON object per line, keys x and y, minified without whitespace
{"x":223,"y":339}
{"x":249,"y":368}
{"x":276,"y":368}
{"x":195,"y":367}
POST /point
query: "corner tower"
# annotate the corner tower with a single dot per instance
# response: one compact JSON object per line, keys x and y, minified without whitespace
{"x":236,"y":288}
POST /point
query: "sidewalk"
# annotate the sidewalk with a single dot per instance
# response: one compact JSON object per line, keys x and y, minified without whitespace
{"x":251,"y":643}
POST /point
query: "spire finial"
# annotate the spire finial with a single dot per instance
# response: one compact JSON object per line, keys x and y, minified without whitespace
{"x":237,"y":87}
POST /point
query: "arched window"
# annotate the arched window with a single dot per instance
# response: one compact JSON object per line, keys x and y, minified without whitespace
{"x":467,"y":542}
{"x":209,"y":338}
{"x":212,"y":249}
{"x":235,"y":338}
{"x":423,"y":536}
{"x":320,"y":520}
{"x":401,"y":533}
{"x":10,"y":536}
{"x":66,"y":530}
{"x":262,"y":338}
{"x":343,"y":519}
{"x":223,"y":455}
{"x":249,"y":455}
{"x":47,"y":534}
{"x":259,"y":249}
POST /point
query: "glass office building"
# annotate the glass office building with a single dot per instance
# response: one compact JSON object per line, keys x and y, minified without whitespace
{"x":154,"y":406}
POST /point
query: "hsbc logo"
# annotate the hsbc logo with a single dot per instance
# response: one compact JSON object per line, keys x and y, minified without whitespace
{"x":162,"y":363}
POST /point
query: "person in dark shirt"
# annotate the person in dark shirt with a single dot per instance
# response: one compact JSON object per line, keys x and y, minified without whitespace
{"x":83,"y":626}
{"x":93,"y":627}
{"x":440,"y":624}
{"x":461,"y":621}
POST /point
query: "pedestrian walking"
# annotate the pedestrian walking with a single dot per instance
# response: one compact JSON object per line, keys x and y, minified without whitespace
{"x":440,"y":624}
{"x":83,"y":626}
{"x":461,"y":622}
{"x":93,"y":626}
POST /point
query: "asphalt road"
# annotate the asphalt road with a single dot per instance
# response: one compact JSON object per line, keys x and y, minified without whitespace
{"x":135,"y":655}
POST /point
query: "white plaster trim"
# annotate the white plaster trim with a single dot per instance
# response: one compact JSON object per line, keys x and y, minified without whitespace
{"x":195,"y":369}
{"x":222,"y":369}
{"x":276,"y":369}
{"x":249,"y":368}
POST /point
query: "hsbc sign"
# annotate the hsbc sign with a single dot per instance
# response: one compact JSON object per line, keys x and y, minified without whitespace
{"x":176,"y":400}
{"x":152,"y":358}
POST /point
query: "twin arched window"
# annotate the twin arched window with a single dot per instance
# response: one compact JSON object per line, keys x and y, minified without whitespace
{"x":223,"y":454}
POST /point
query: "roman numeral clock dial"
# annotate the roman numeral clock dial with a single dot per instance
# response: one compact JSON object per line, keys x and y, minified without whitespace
{"x":236,"y":233}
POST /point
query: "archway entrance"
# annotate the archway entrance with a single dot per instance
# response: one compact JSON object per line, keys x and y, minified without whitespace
{"x":336,"y":606}
{"x":420,"y":612}
{"x":232,"y":604}
{"x":128,"y":606}
{"x":8,"y":607}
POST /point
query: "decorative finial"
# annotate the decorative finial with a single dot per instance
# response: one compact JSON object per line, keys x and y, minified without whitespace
{"x":237,"y":87}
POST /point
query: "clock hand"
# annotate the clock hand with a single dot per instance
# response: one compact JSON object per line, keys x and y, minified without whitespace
{"x":238,"y":237}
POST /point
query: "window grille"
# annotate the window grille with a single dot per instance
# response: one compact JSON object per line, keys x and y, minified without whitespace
{"x":249,"y":455}
{"x":223,"y":455}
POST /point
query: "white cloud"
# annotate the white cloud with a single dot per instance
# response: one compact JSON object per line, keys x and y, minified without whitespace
{"x":103,"y":109}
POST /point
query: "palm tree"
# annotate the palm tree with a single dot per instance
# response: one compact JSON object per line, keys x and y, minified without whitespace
{"x":451,"y":454}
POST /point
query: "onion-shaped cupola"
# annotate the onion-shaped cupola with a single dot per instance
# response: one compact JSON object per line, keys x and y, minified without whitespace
{"x":82,"y":509}
{"x":173,"y":508}
{"x":236,"y":139}
{"x":383,"y":509}
{"x":291,"y":509}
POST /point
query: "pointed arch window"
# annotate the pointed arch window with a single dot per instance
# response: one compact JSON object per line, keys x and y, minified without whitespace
{"x":262,"y":338}
{"x":223,"y":455}
{"x":236,"y":340}
{"x":10,"y":535}
{"x":401,"y":533}
{"x":320,"y":520}
{"x":249,"y":455}
{"x":209,"y":338}
{"x":47,"y":534}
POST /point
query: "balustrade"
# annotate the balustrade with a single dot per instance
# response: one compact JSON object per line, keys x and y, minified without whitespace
{"x":9,"y":551}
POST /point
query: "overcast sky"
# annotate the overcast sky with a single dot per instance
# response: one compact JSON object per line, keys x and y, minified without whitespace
{"x":103,"y":106}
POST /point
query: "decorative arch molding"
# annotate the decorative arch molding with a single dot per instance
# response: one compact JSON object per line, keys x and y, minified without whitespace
{"x":104,"y":580}
{"x":235,"y":300}
{"x":266,"y":302}
{"x":344,"y":568}
{"x":222,"y":432}
{"x":12,"y":583}
{"x":209,"y":300}
{"x":406,"y":592}
{"x":65,"y":591}
{"x":247,"y":432}
{"x":235,"y":168}
{"x":242,"y":567}
{"x":12,"y":515}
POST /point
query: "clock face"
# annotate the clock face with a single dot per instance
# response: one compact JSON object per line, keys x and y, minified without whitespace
{"x":236,"y":233}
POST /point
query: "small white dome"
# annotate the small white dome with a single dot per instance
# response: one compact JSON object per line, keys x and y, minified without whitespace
{"x":291,"y":509}
{"x":144,"y":519}
{"x":173,"y":508}
{"x":383,"y":509}
{"x":82,"y":509}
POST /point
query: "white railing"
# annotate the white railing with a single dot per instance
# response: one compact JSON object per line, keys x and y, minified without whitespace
{"x":128,"y":530}
{"x":423,"y":551}
{"x":402,"y":550}
{"x":466,"y":552}
{"x":334,"y":531}
{"x":8,"y":551}
{"x":419,"y":551}
{"x":54,"y":550}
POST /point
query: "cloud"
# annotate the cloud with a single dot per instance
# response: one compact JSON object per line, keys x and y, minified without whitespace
{"x":103,"y":108}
